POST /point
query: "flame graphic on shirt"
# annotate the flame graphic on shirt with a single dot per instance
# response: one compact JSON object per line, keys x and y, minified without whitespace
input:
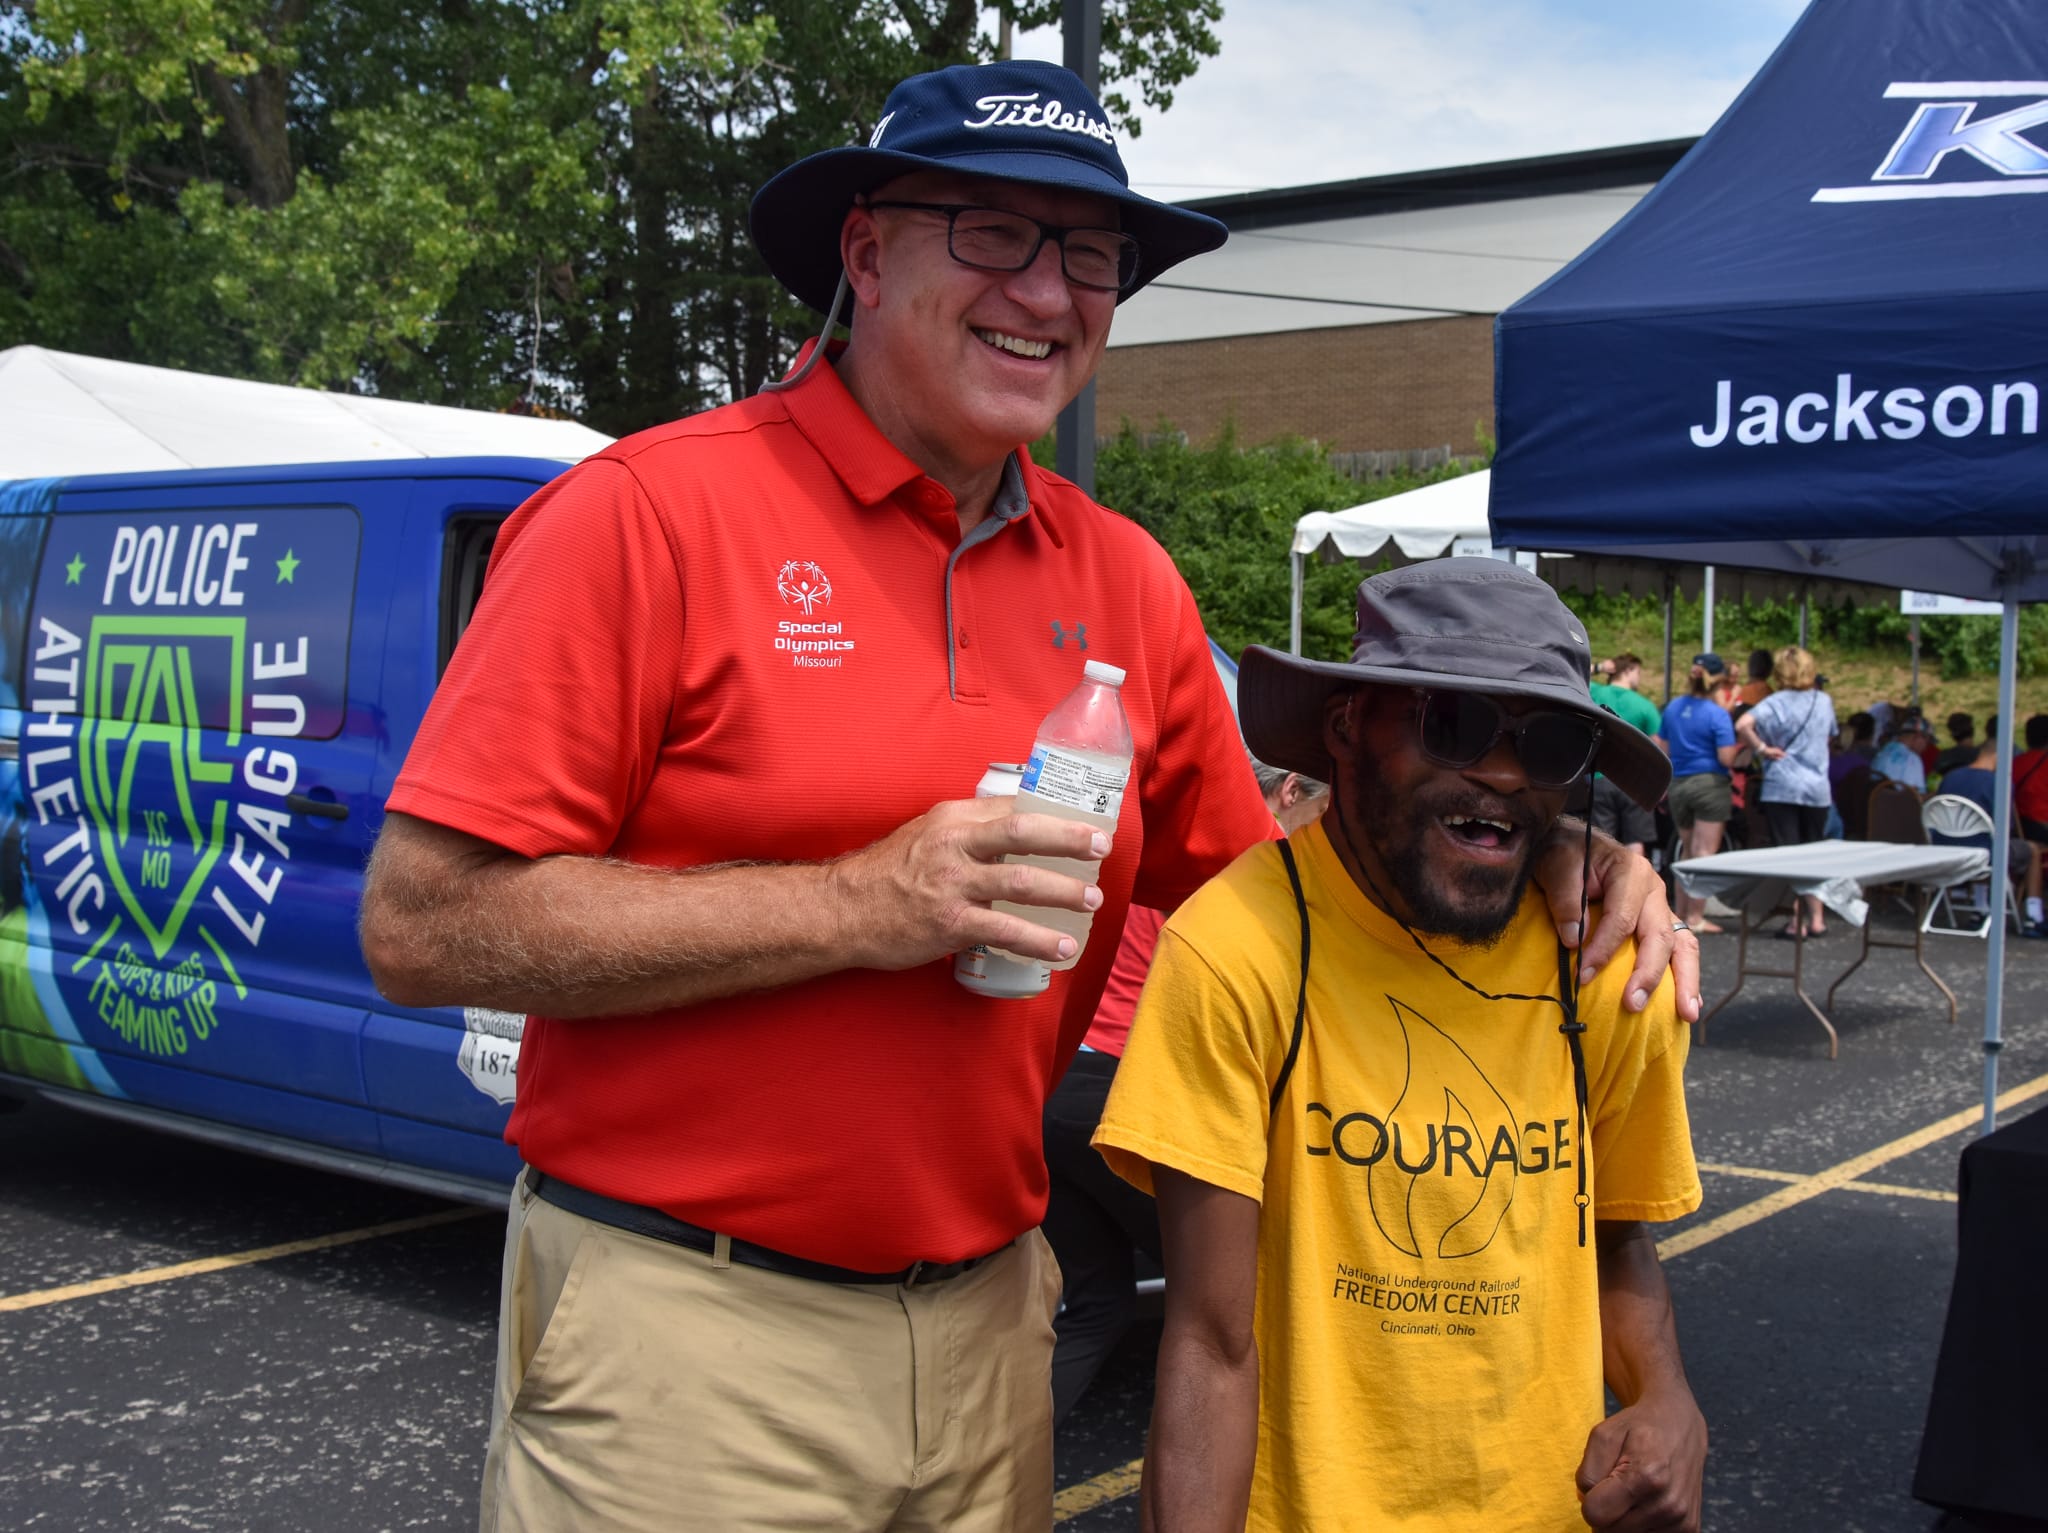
{"x":1444,"y":1123}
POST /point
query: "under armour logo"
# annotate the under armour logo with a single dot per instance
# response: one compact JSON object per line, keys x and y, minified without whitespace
{"x":1079,"y":635}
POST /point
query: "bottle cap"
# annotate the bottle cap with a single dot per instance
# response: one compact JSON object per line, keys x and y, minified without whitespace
{"x":1095,"y":670}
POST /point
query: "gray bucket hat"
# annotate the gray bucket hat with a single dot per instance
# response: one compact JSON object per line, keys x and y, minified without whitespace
{"x":1461,"y":625}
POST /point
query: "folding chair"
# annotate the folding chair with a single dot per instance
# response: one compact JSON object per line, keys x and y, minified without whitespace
{"x":1952,"y":820}
{"x":1894,"y":814}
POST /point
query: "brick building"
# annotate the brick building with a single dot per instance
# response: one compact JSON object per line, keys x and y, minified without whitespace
{"x":1360,"y":313}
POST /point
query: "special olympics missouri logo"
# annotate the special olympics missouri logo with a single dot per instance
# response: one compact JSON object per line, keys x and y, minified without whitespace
{"x":804,"y":585}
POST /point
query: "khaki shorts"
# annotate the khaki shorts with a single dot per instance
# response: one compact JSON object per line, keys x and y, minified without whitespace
{"x":642,"y":1387}
{"x":1705,"y":796}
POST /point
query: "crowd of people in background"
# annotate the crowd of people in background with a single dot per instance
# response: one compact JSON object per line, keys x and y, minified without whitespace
{"x":1771,"y":752}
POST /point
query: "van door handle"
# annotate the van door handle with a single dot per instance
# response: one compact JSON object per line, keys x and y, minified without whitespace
{"x":319,"y":808}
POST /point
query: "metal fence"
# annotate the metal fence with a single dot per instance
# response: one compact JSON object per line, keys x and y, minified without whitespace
{"x":1386,"y":464}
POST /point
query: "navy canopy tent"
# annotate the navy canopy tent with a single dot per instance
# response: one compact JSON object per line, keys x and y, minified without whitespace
{"x":1820,"y":344}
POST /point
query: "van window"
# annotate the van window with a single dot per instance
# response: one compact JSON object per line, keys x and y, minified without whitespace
{"x":22,"y":524}
{"x":234,"y":620}
{"x":466,"y":554}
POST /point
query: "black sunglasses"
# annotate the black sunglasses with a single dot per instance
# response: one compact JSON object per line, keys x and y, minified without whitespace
{"x":995,"y":239}
{"x":1460,"y":729}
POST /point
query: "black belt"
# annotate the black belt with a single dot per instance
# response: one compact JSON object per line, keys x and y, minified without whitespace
{"x":638,"y":1219}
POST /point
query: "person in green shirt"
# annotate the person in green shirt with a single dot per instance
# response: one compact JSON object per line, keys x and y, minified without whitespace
{"x":1612,"y":810}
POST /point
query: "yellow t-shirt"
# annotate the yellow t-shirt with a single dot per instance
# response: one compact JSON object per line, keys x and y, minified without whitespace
{"x":1428,"y":1325}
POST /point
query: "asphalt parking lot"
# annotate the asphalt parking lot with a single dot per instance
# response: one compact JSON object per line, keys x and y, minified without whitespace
{"x":343,"y":1382}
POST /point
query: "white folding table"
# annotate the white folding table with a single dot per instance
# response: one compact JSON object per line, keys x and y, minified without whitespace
{"x":1758,"y":881}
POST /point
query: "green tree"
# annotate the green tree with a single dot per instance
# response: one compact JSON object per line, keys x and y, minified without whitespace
{"x":476,"y":202}
{"x":1227,"y":517}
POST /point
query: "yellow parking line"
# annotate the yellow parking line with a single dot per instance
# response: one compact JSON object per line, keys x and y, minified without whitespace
{"x":1895,"y":1190}
{"x":1887,"y":1189}
{"x":1112,"y":1485}
{"x":239,"y":1259}
{"x":1115,"y":1484}
{"x":1808,"y":1187}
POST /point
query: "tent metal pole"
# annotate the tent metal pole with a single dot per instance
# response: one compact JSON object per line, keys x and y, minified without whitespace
{"x":1707,"y":612}
{"x":1667,"y":635}
{"x":2001,"y":844}
{"x":1915,"y":632}
{"x":1294,"y":617}
{"x":1805,"y":603}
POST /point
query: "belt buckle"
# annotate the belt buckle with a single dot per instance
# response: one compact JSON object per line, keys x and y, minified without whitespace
{"x":916,"y":1270}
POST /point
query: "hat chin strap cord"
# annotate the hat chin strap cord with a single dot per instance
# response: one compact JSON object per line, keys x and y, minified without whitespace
{"x":1566,"y":1000}
{"x":776,"y":385}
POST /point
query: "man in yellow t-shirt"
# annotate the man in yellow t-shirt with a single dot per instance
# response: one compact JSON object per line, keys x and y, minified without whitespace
{"x":1404,"y":1245}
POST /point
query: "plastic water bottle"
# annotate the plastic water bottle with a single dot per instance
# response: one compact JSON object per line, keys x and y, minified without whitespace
{"x":993,"y":973}
{"x":1079,"y":767}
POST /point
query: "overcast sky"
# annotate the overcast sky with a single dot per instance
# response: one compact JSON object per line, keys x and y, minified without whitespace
{"x":1325,"y":90}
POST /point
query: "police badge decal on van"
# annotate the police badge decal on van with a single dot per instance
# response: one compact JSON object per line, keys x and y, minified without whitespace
{"x":171,"y":661}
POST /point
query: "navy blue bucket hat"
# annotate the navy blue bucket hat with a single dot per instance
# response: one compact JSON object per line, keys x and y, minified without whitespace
{"x":1022,"y":120}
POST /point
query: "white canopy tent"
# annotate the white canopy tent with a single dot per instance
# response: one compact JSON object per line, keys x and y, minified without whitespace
{"x":1422,"y":523}
{"x":1450,"y":517}
{"x":64,"y":414}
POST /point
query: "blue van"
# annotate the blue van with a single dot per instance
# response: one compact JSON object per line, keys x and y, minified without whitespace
{"x":208,"y":682}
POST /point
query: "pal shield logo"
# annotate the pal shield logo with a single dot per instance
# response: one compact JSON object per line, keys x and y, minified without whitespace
{"x":174,"y":661}
{"x":1965,"y":138}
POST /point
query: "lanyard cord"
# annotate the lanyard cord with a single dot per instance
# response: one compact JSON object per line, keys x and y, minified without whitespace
{"x":1567,"y":999}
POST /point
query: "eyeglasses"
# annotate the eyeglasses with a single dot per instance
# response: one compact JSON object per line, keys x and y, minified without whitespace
{"x":995,"y":239}
{"x":1460,"y":729}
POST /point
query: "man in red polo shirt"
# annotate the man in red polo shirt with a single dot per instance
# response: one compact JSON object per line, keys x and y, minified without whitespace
{"x":694,"y":796}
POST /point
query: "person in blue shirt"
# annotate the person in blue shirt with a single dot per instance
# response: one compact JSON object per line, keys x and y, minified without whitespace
{"x":1789,"y":731}
{"x":1902,"y":757}
{"x":1701,"y":739}
{"x":1977,"y":782}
